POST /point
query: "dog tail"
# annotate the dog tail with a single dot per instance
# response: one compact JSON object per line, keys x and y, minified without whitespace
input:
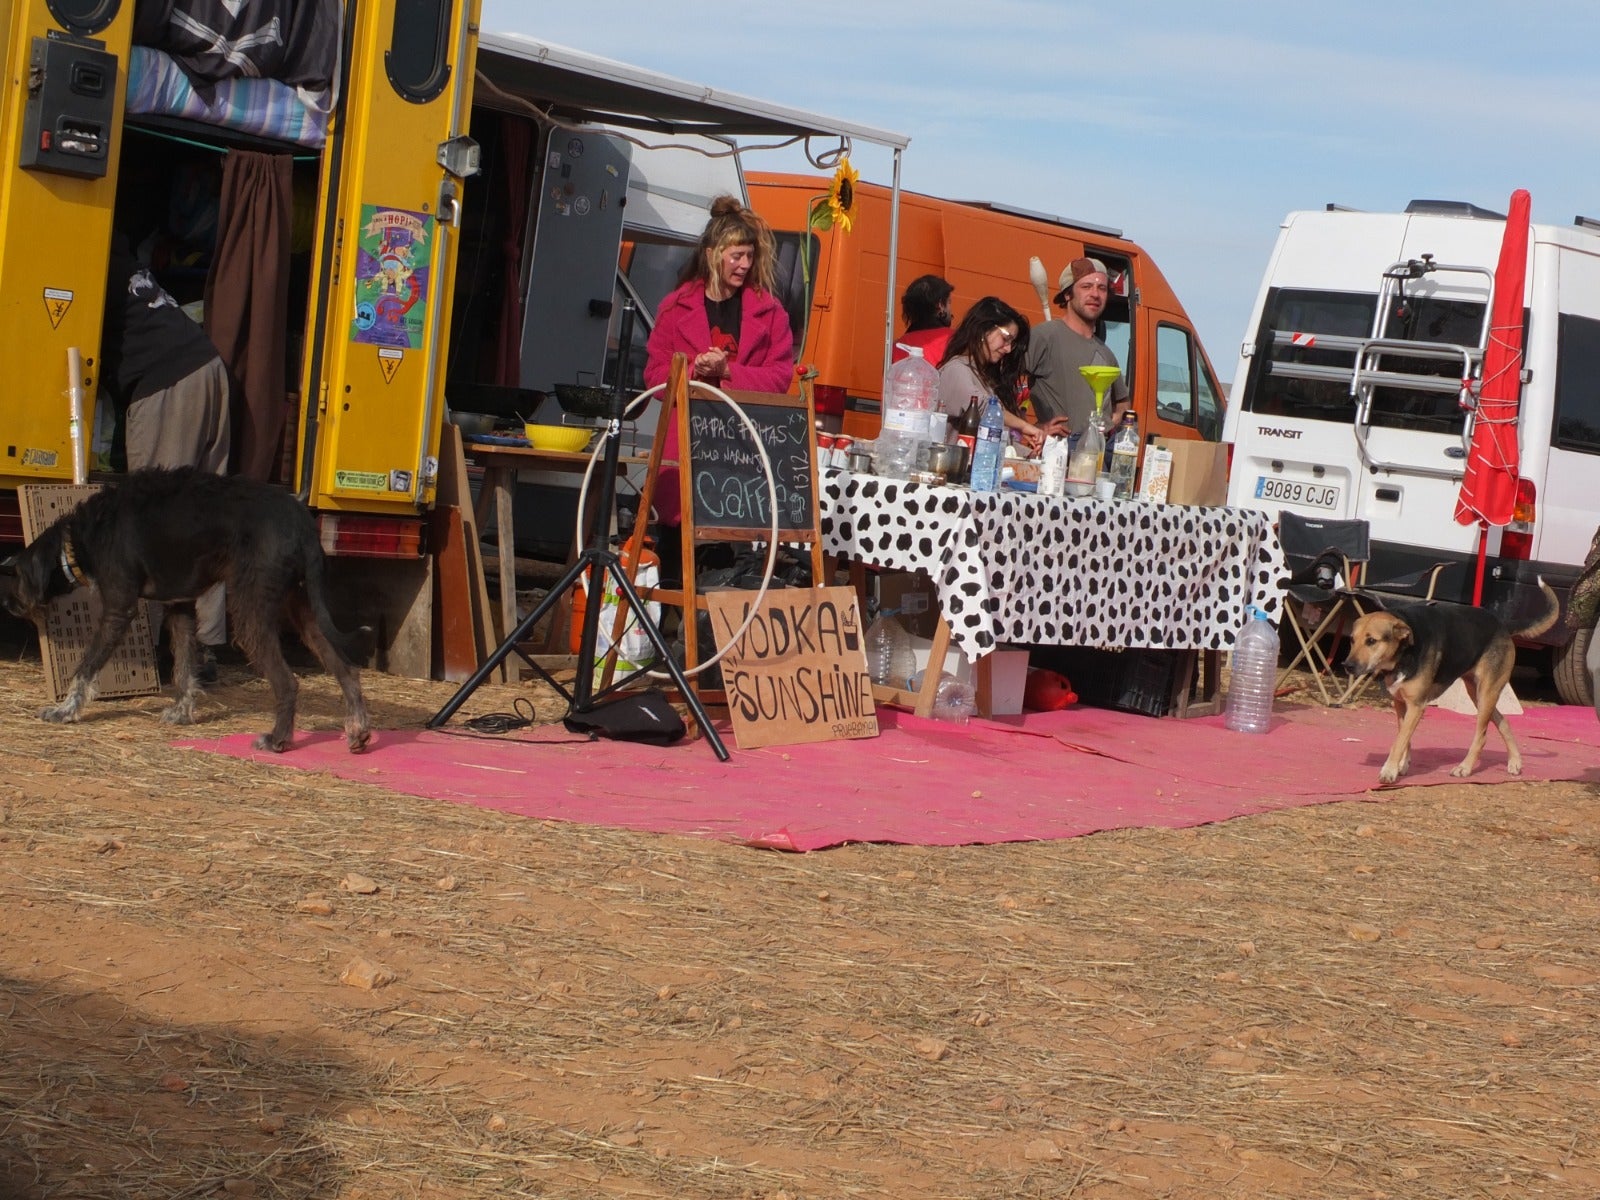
{"x":355,"y":647}
{"x":1551,"y":616}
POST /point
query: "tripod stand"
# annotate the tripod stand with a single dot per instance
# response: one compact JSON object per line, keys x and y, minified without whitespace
{"x":600,"y":558}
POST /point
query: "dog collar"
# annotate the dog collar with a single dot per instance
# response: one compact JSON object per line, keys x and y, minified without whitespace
{"x":69,"y":564}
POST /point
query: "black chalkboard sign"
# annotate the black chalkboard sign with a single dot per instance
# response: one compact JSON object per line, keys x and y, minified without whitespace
{"x":726,"y":481}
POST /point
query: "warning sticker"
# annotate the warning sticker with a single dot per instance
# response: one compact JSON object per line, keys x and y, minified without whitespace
{"x":389,"y":359}
{"x":362,"y":481}
{"x":56,"y":303}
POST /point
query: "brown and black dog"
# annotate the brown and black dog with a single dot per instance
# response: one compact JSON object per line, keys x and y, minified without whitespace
{"x":168,"y":535}
{"x":1421,"y":649}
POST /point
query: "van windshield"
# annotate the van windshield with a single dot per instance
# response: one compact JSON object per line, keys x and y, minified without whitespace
{"x":1306,"y":349}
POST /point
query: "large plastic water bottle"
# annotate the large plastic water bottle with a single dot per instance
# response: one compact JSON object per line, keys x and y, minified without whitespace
{"x":989,"y":456}
{"x":1255,"y":674}
{"x":906,"y":408}
{"x":890,"y":660}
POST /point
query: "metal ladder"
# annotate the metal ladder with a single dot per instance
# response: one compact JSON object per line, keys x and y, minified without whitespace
{"x":1369,"y":371}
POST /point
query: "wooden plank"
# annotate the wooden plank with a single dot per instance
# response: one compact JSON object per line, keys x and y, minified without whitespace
{"x":453,"y":489}
{"x":455,"y":642}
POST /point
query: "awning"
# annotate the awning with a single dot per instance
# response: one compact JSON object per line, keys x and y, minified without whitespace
{"x":574,"y":87}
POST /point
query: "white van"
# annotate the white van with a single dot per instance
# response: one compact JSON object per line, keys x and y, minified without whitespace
{"x":1388,"y":443}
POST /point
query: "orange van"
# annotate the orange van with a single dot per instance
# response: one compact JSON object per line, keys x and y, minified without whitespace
{"x":983,"y":249}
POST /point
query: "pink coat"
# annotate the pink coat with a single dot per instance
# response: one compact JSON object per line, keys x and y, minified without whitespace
{"x":765,"y":362}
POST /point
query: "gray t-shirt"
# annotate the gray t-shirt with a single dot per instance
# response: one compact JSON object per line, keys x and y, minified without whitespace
{"x":958,"y":384}
{"x":1055,"y":352}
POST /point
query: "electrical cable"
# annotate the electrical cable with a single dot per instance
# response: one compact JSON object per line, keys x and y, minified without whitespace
{"x":504,"y":722}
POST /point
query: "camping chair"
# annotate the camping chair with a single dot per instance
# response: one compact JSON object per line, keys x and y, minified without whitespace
{"x":1327,"y":559}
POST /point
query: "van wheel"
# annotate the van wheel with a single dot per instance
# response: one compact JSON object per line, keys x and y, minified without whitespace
{"x":1573,"y":683}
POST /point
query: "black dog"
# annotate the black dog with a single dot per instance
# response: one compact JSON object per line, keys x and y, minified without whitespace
{"x":168,"y":535}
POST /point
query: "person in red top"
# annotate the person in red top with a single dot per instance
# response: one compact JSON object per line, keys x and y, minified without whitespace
{"x":925,"y":304}
{"x":726,"y":320}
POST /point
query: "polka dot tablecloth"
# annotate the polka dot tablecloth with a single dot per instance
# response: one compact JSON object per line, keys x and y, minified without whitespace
{"x":1050,"y":570}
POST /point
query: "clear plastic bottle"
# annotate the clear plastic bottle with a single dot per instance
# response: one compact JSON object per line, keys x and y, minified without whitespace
{"x":1254,"y":666}
{"x":1125,"y":455}
{"x":906,"y":408}
{"x":954,"y":701}
{"x":1087,"y":455}
{"x":989,"y":456}
{"x":890,"y":660}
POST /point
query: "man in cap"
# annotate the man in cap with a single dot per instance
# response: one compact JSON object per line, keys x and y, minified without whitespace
{"x":1058,"y":348}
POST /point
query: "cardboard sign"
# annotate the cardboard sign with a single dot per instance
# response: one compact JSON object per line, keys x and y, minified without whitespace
{"x":1199,"y":472}
{"x":799,"y":672}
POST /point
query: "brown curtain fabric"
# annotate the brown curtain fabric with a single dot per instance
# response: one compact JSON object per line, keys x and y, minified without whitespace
{"x":247,"y":302}
{"x":517,"y":137}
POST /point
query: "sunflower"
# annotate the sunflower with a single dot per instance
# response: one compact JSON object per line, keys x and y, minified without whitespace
{"x":839,"y":206}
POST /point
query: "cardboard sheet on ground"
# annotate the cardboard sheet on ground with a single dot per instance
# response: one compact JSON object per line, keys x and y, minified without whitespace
{"x":925,"y":782}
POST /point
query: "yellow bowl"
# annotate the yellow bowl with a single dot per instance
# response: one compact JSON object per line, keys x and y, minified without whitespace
{"x":558,"y":437}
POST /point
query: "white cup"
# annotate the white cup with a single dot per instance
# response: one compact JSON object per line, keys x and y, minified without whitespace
{"x":1105,"y":487}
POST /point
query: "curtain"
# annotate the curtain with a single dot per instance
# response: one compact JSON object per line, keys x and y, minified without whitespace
{"x":517,"y":137}
{"x":247,"y":303}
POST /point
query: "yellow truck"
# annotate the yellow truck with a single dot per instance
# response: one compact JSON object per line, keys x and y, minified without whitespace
{"x":371,"y":137}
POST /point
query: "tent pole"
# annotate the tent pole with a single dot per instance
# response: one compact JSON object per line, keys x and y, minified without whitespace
{"x":894,"y":258}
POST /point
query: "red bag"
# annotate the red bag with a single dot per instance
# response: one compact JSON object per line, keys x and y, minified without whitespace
{"x":1047,"y":690}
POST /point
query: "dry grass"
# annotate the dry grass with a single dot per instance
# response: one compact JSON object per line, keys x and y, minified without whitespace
{"x":1368,"y":998}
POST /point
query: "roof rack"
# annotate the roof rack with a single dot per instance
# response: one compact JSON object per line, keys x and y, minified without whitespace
{"x":1583,"y":222}
{"x":1453,"y":208}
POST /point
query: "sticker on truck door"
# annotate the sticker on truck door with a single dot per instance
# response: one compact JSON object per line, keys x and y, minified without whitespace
{"x":392,"y":256}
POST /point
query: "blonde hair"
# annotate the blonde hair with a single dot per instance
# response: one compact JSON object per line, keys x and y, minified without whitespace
{"x":732,"y":224}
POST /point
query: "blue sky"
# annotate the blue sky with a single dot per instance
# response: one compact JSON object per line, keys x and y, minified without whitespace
{"x":1191,"y":127}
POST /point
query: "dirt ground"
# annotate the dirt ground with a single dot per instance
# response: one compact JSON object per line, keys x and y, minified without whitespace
{"x":1393,"y":997}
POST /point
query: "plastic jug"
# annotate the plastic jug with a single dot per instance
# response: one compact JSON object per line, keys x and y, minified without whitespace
{"x":1254,"y":666}
{"x":907,"y":406}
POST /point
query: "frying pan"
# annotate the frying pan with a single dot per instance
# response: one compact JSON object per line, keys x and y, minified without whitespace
{"x":583,"y":400}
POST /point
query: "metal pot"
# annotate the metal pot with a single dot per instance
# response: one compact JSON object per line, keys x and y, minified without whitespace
{"x":861,"y":462}
{"x":944,"y":458}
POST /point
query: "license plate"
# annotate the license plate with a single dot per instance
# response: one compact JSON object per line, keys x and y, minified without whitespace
{"x":1292,"y":491}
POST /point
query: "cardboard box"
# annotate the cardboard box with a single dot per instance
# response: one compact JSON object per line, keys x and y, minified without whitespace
{"x":912,"y":594}
{"x":1156,"y":476}
{"x":1008,"y":680}
{"x":1199,"y":472}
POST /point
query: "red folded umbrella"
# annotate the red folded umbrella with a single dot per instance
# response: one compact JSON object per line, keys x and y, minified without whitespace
{"x":1489,"y":490}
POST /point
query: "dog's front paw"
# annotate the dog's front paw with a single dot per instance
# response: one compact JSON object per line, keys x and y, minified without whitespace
{"x":266,"y":741}
{"x":181,"y":713}
{"x":64,"y":713}
{"x":358,"y":739}
{"x":1389,"y":773}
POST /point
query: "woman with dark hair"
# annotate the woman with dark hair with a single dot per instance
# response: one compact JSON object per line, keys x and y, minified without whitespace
{"x":925,"y":305}
{"x":726,"y":320}
{"x":985,"y":357}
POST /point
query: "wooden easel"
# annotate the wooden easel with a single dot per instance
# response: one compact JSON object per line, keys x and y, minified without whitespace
{"x":677,"y":412}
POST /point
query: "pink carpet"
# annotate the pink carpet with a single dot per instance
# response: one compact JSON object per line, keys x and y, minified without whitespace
{"x":923,"y":782}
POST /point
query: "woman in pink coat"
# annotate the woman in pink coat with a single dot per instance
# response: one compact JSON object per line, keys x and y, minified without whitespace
{"x":725,"y":319}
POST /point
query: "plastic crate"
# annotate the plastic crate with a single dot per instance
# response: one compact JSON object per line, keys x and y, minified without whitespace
{"x":1140,"y":681}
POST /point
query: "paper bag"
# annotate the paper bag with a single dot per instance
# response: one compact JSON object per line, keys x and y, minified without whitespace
{"x":1199,"y":472}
